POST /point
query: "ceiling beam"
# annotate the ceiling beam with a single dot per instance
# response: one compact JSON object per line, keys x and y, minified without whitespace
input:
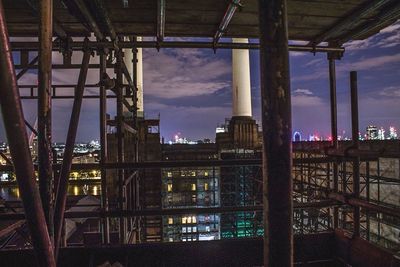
{"x":105,"y":18}
{"x":57,"y":28}
{"x":356,"y":15}
{"x":226,"y":19}
{"x":386,"y":17}
{"x":89,"y":19}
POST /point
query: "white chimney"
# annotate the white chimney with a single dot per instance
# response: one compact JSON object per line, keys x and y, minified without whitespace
{"x":241,"y":89}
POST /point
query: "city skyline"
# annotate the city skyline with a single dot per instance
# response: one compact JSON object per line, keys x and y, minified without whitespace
{"x":198,"y":82}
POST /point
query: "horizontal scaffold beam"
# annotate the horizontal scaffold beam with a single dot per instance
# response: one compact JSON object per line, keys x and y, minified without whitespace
{"x":152,"y":44}
{"x":167,"y":212}
{"x":182,"y":163}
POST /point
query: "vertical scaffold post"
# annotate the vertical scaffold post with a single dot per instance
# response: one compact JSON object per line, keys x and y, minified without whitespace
{"x":17,"y":138}
{"x":103,"y":144}
{"x":120,"y":143}
{"x":276,"y":123}
{"x":355,"y":138}
{"x":44,"y":111}
{"x":332,"y":56}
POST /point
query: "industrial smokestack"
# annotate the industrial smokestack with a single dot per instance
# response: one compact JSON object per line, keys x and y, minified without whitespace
{"x":128,"y":58}
{"x":241,"y":81}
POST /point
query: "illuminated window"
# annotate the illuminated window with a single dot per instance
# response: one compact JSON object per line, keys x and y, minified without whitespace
{"x":208,"y":229}
{"x":193,"y":187}
{"x":169,"y":174}
{"x":193,"y":173}
{"x":76,"y":190}
{"x":206,"y":186}
{"x":194,"y":219}
{"x":205,"y":173}
{"x":194,"y":198}
{"x":194,"y":229}
{"x":189,"y":219}
{"x":184,"y":219}
{"x":171,"y":239}
{"x":184,"y":229}
{"x":189,"y":230}
{"x":75,"y":175}
{"x":170,"y":220}
{"x":169,"y":187}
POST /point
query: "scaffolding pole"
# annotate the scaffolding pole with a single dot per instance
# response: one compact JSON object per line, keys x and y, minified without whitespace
{"x":332,"y":56}
{"x":277,"y":132}
{"x":103,"y":143}
{"x":44,"y":111}
{"x":62,"y":190}
{"x":120,"y":143}
{"x":14,"y":124}
{"x":356,"y":144}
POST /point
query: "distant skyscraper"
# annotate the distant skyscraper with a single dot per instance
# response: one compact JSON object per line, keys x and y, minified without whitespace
{"x":381,"y":134}
{"x":392,"y":133}
{"x":372,"y":132}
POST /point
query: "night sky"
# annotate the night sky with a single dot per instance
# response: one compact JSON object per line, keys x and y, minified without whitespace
{"x":191,"y":90}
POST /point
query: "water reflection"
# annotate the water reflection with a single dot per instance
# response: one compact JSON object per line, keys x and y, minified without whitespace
{"x":78,"y":190}
{"x":12,"y":192}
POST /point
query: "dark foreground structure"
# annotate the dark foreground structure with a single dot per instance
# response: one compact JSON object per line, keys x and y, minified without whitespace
{"x":310,"y":204}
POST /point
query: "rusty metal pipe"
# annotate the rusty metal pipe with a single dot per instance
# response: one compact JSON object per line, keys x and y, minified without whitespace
{"x":348,"y":21}
{"x":103,"y":14}
{"x":334,"y":130}
{"x":61,"y":196}
{"x":44,"y":111}
{"x":277,"y":132}
{"x":17,"y":137}
{"x":175,"y":211}
{"x":226,"y":19}
{"x":356,"y":143}
{"x":201,"y":45}
{"x":160,"y":20}
{"x":30,"y":65}
{"x":89,"y":18}
{"x":120,"y":143}
{"x":103,"y":143}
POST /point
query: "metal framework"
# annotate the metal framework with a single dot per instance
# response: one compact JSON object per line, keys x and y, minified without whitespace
{"x":306,"y":189}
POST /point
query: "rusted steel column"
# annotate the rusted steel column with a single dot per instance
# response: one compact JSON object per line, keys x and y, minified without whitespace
{"x":120,"y":143}
{"x":276,"y":123}
{"x":103,"y":143}
{"x":332,"y":56}
{"x":61,"y":199}
{"x":355,"y":137}
{"x":44,"y":111}
{"x":17,"y":137}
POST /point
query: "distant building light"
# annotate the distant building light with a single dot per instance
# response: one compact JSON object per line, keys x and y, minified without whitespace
{"x":296,"y":137}
{"x":220,"y":130}
{"x":169,"y":187}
